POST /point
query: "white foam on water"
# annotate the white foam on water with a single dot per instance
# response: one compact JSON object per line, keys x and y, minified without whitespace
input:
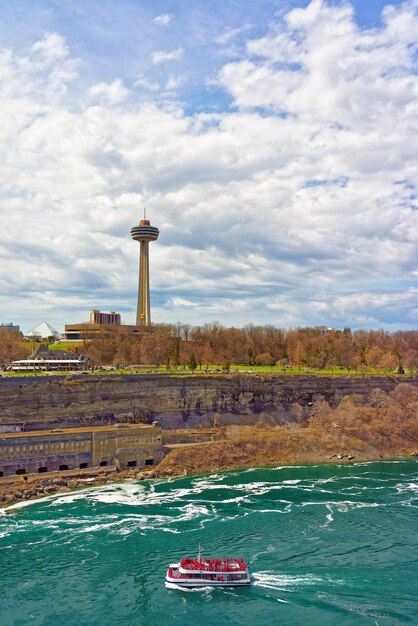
{"x":405,"y":488}
{"x":269,"y":550}
{"x":22,"y":505}
{"x":323,"y":481}
{"x":351,"y":607}
{"x":284,"y":582}
{"x":231,"y":517}
{"x":289,"y":467}
{"x":133,"y":494}
{"x":136,"y":494}
{"x":137,"y":522}
{"x":236,"y":500}
{"x":329,"y":517}
{"x":191,"y":511}
{"x":213,"y":478}
{"x":287,"y":509}
{"x":344,"y":506}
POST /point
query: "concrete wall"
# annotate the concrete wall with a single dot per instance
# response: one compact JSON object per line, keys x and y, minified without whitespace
{"x":131,"y":446}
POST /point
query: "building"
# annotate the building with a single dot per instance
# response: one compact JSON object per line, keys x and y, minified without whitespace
{"x":10,"y":327}
{"x":44,"y":360}
{"x":124,"y":445}
{"x":43,"y":331}
{"x":99,"y":323}
{"x":97,"y":317}
{"x":144,"y":233}
{"x":79,"y":332}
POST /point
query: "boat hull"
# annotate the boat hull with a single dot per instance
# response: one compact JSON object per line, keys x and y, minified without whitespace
{"x":208,"y":573}
{"x":208,"y":583}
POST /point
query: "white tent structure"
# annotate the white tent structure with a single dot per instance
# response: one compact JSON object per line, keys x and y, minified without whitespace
{"x":43,"y":331}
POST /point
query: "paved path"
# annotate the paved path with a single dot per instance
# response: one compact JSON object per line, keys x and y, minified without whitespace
{"x":190,"y":444}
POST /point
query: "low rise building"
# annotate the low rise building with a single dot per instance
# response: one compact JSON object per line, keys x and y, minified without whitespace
{"x":87,"y":331}
{"x":99,"y":324}
{"x":13,"y":328}
{"x":43,"y":331}
{"x":97,"y":317}
{"x":45,"y":360}
{"x":124,"y":445}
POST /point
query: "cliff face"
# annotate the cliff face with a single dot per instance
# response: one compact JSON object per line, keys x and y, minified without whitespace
{"x":176,"y":402}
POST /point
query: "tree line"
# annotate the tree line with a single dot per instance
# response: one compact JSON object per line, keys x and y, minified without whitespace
{"x":182,"y":345}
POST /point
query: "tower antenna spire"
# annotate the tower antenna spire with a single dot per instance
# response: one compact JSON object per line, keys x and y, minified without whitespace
{"x":144,"y":233}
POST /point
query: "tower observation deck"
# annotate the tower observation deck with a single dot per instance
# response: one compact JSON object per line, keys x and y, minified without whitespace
{"x":144,"y":233}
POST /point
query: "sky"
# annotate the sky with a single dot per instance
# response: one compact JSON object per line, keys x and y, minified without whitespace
{"x":273,"y":143}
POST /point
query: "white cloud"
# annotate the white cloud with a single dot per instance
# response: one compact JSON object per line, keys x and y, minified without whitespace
{"x":174,"y":82}
{"x":52,"y":47}
{"x":163,"y":20}
{"x":231,"y":33}
{"x":144,"y":82}
{"x":297,"y":206}
{"x":110,"y":93}
{"x":159,"y":56}
{"x":181,"y":303}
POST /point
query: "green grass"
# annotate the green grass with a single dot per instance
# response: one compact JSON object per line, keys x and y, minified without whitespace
{"x":62,"y":345}
{"x":216,"y":370}
{"x":279,"y":370}
{"x":14,"y":374}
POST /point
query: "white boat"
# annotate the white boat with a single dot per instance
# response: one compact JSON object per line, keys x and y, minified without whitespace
{"x":213,"y":572}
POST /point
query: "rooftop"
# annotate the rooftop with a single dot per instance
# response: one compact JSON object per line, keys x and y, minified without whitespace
{"x":121,"y":428}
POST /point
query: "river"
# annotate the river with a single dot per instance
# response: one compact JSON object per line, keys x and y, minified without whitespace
{"x":328,"y":545}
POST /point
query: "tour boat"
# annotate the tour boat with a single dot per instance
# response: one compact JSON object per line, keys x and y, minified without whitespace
{"x":199,"y":572}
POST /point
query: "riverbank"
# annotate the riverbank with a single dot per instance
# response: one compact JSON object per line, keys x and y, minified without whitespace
{"x":233,"y":447}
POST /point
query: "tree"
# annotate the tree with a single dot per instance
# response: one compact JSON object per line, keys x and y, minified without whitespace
{"x":389,"y":361}
{"x":264,"y":359}
{"x":176,"y":352}
{"x":298,"y":357}
{"x":12,"y":346}
{"x":192,"y":362}
{"x":411,"y":360}
{"x":374,"y":356}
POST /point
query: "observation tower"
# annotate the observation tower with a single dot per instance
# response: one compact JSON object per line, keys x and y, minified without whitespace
{"x":144,"y":233}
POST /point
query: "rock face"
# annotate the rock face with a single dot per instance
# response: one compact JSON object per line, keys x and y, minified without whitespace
{"x":175,"y":401}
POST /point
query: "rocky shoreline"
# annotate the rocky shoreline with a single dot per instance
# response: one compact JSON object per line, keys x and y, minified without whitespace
{"x":35,"y":487}
{"x":249,"y":449}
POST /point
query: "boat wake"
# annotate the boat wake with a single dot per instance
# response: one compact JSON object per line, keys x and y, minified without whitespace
{"x":284,"y":582}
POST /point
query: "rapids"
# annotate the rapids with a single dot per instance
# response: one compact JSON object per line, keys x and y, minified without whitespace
{"x":328,"y":544}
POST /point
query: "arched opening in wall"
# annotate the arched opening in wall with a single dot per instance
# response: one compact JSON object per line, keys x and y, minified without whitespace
{"x":21,"y":471}
{"x":41,"y":470}
{"x":83,"y":465}
{"x":132,"y":463}
{"x":63,"y":467}
{"x":149,"y":461}
{"x":1,"y":474}
{"x":103,"y":463}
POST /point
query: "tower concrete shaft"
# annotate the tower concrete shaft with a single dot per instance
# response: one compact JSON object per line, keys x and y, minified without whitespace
{"x":144,"y":233}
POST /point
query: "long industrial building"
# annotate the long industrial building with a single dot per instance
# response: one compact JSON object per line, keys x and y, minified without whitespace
{"x":42,"y":451}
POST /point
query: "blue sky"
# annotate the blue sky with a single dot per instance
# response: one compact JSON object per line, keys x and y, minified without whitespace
{"x":272,"y":142}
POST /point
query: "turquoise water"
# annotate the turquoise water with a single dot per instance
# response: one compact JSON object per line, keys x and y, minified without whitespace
{"x":327,"y":544}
